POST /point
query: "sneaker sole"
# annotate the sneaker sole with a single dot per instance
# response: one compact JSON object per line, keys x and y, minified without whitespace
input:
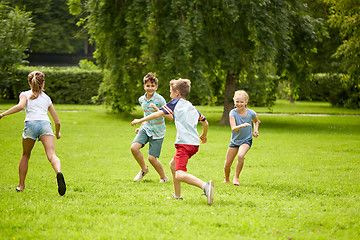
{"x":210,"y":199}
{"x":61,"y":183}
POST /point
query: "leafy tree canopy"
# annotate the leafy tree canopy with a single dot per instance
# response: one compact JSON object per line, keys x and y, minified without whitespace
{"x":16,"y":28}
{"x":219,"y":45}
{"x":55,"y":30}
{"x":345,"y":15}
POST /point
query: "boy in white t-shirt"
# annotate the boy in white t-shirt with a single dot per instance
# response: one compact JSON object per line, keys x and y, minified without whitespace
{"x":186,"y":117}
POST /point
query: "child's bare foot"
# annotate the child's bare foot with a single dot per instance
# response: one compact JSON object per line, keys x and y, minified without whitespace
{"x":236,"y":181}
{"x":226,"y":181}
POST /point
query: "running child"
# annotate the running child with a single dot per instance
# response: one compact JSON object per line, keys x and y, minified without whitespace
{"x":38,"y":126}
{"x":241,"y":136}
{"x":152,"y":131}
{"x":187,"y":138}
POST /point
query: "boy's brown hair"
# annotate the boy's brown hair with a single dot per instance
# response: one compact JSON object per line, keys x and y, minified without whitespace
{"x":150,"y":77}
{"x":182,"y":85}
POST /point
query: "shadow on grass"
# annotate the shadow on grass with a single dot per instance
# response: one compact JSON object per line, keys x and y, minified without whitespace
{"x":311,"y":124}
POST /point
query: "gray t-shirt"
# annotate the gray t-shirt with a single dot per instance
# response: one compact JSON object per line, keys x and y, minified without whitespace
{"x":244,"y":134}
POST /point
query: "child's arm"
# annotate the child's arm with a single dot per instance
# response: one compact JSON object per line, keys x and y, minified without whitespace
{"x":256,"y":122}
{"x":148,"y":117}
{"x":203,"y":136}
{"x":235,"y":128}
{"x":167,"y":116}
{"x":56,"y":121}
{"x":17,"y":108}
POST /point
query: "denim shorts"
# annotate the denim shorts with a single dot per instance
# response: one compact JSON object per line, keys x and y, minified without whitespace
{"x":35,"y":129}
{"x":154,"y":144}
{"x":248,"y":142}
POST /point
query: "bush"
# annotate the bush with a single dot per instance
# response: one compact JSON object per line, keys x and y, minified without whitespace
{"x":16,"y":29}
{"x":64,"y":85}
{"x":326,"y":87}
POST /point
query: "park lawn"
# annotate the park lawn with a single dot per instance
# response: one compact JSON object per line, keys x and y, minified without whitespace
{"x":300,"y":181}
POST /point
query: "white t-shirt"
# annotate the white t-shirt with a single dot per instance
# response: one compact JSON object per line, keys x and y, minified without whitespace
{"x":37,"y":109}
{"x":186,"y":118}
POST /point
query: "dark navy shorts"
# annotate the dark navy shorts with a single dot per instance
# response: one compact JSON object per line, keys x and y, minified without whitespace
{"x":248,"y":142}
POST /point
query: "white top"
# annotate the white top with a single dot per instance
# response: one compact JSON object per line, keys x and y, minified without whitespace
{"x":186,"y":118}
{"x":37,"y":109}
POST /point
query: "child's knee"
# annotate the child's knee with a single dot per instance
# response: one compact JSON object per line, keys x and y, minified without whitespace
{"x":179,"y":175}
{"x":134,"y":148}
{"x":241,"y":158}
{"x":152,"y":159}
{"x":172,"y":164}
{"x":227,"y":164}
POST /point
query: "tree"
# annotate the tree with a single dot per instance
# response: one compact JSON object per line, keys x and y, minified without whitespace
{"x":237,"y":42}
{"x":345,"y":15}
{"x":304,"y":33}
{"x":55,"y":30}
{"x":16,"y":28}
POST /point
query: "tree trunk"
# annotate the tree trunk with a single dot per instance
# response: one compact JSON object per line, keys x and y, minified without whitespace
{"x":230,"y":87}
{"x":291,"y":97}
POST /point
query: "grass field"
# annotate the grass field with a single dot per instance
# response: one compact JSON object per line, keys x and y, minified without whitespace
{"x":300,"y":180}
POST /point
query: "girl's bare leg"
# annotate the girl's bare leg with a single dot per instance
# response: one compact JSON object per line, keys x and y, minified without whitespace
{"x":28,"y":145}
{"x":230,"y":156}
{"x":49,"y":144}
{"x":243,"y":149}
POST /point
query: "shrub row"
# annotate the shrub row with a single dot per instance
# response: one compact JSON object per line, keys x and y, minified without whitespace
{"x":326,"y":87}
{"x":70,"y":85}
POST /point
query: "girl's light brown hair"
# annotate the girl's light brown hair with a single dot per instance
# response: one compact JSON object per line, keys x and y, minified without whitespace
{"x":182,"y":85}
{"x":36,"y":80}
{"x":241,"y":93}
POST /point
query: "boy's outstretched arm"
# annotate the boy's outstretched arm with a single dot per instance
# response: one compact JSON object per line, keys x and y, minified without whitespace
{"x":167,"y":116}
{"x":203,"y":136}
{"x":147,"y":118}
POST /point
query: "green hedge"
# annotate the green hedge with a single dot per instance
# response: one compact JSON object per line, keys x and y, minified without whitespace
{"x":326,"y":87}
{"x":70,"y":85}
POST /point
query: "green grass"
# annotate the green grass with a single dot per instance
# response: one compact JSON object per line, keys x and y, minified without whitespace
{"x":300,"y":181}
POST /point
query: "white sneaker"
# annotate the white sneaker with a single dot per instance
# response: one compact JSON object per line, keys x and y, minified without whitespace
{"x":162,"y":180}
{"x":175,"y":197}
{"x":209,"y":191}
{"x":140,"y":175}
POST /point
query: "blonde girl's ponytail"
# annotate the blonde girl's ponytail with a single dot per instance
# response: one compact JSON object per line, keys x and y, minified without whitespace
{"x":36,"y":80}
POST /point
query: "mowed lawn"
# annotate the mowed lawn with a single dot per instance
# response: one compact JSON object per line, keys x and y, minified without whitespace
{"x":301,"y":180}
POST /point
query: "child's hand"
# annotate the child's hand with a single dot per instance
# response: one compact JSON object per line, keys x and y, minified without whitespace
{"x":153,"y":105}
{"x":135,"y":121}
{"x":203,"y":139}
{"x":255,"y":133}
{"x":245,"y":125}
{"x":58,"y":135}
{"x":137,"y":130}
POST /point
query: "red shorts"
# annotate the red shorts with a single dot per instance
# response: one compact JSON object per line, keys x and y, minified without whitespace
{"x":183,"y":154}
